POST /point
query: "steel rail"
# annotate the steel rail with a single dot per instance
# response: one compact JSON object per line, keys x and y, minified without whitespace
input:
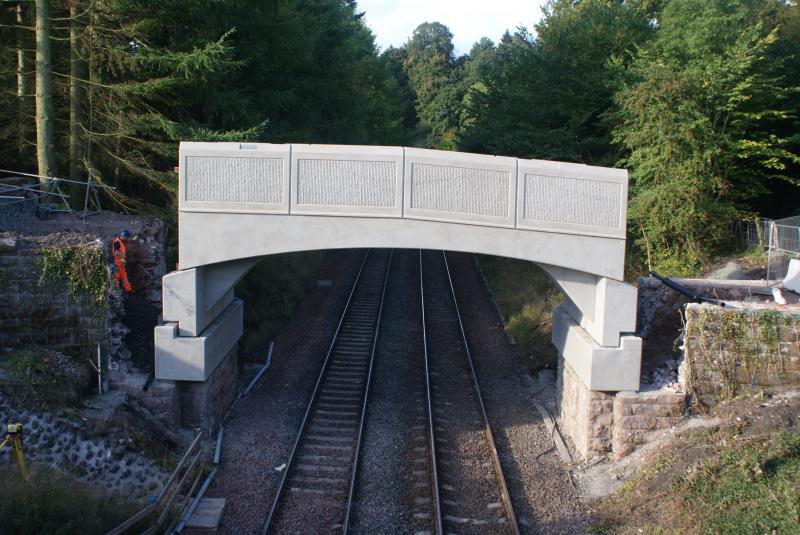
{"x":346,"y":523}
{"x":437,"y":509}
{"x":490,"y":437}
{"x":315,"y":396}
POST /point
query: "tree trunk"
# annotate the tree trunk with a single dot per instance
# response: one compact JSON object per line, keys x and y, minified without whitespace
{"x":23,"y":83}
{"x":77,"y":71}
{"x":45,"y":135}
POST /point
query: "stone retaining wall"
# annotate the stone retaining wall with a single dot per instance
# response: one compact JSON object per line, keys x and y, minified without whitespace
{"x":732,"y":351}
{"x":599,"y":423}
{"x":33,"y":312}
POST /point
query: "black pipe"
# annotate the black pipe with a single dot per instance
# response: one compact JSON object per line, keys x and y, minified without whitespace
{"x":697,"y":298}
{"x":149,"y":382}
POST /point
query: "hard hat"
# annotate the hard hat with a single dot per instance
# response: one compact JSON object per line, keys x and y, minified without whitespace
{"x":125,"y":233}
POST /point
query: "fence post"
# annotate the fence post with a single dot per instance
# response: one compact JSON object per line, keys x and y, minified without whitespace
{"x":759,"y":232}
{"x":769,"y":251}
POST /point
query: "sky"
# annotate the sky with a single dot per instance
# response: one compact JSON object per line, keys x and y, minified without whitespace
{"x":392,"y":21}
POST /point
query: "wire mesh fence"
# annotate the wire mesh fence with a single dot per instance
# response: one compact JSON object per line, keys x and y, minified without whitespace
{"x":779,"y":239}
{"x":752,"y":232}
{"x":784,"y":244}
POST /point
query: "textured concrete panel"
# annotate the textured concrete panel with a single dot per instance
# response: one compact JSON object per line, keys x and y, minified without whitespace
{"x":575,"y":201}
{"x":572,"y":198}
{"x":460,"y":190}
{"x":460,"y":187}
{"x":236,"y":180}
{"x":345,"y":183}
{"x":347,"y":180}
{"x":234,"y":177}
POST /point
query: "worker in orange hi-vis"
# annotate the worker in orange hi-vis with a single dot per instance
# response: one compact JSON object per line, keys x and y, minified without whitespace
{"x":119,"y":248}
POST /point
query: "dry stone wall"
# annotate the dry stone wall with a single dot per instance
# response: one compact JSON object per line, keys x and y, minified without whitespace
{"x":733,"y":351}
{"x":36,"y":312}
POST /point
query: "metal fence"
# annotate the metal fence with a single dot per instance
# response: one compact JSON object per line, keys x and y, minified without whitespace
{"x":780,"y":239}
{"x":17,"y":188}
{"x":752,"y":233}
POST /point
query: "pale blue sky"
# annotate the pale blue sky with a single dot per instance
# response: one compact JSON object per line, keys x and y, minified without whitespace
{"x":392,"y":21}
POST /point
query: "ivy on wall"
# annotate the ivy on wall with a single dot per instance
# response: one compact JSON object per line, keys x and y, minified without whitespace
{"x":82,"y":268}
{"x":730,"y":350}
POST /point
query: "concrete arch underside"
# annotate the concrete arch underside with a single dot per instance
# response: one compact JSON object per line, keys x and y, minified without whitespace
{"x":239,"y":203}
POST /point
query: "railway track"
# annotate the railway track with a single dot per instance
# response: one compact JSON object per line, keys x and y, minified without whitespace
{"x":468,"y":489}
{"x":315,"y":492}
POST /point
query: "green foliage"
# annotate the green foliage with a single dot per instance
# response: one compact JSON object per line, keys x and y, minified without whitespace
{"x":82,"y":268}
{"x":697,"y":115}
{"x":46,"y":378}
{"x":272,"y":291}
{"x":544,"y":96}
{"x":58,"y":505}
{"x":698,"y":99}
{"x":434,"y":75}
{"x":525,"y":295}
{"x":210,"y":70}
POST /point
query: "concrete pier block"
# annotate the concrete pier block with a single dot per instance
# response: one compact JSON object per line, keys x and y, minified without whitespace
{"x":605,"y":369}
{"x":194,"y":358}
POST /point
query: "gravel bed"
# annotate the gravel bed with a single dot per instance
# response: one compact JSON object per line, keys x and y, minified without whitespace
{"x":315,"y":492}
{"x":470,"y":491}
{"x":393,"y":489}
{"x":385,"y":491}
{"x":544,"y":498}
{"x":262,"y":427}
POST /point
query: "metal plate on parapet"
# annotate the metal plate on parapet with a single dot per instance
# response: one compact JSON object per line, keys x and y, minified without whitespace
{"x":572,"y":198}
{"x":459,"y":187}
{"x":347,"y":180}
{"x":234,"y":177}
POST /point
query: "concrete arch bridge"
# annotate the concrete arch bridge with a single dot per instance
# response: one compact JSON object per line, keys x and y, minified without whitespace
{"x":240,"y":202}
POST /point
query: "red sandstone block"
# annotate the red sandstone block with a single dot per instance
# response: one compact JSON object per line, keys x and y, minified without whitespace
{"x":645,"y":422}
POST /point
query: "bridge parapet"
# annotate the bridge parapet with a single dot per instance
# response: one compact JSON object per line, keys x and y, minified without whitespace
{"x":397,"y":182}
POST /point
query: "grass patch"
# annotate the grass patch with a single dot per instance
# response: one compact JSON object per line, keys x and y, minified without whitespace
{"x":47,"y":379}
{"x":272,"y":291}
{"x":526,"y":296}
{"x":753,"y":488}
{"x":57,"y":505}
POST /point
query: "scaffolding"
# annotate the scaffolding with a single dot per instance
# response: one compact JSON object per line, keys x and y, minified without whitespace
{"x":47,"y":189}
